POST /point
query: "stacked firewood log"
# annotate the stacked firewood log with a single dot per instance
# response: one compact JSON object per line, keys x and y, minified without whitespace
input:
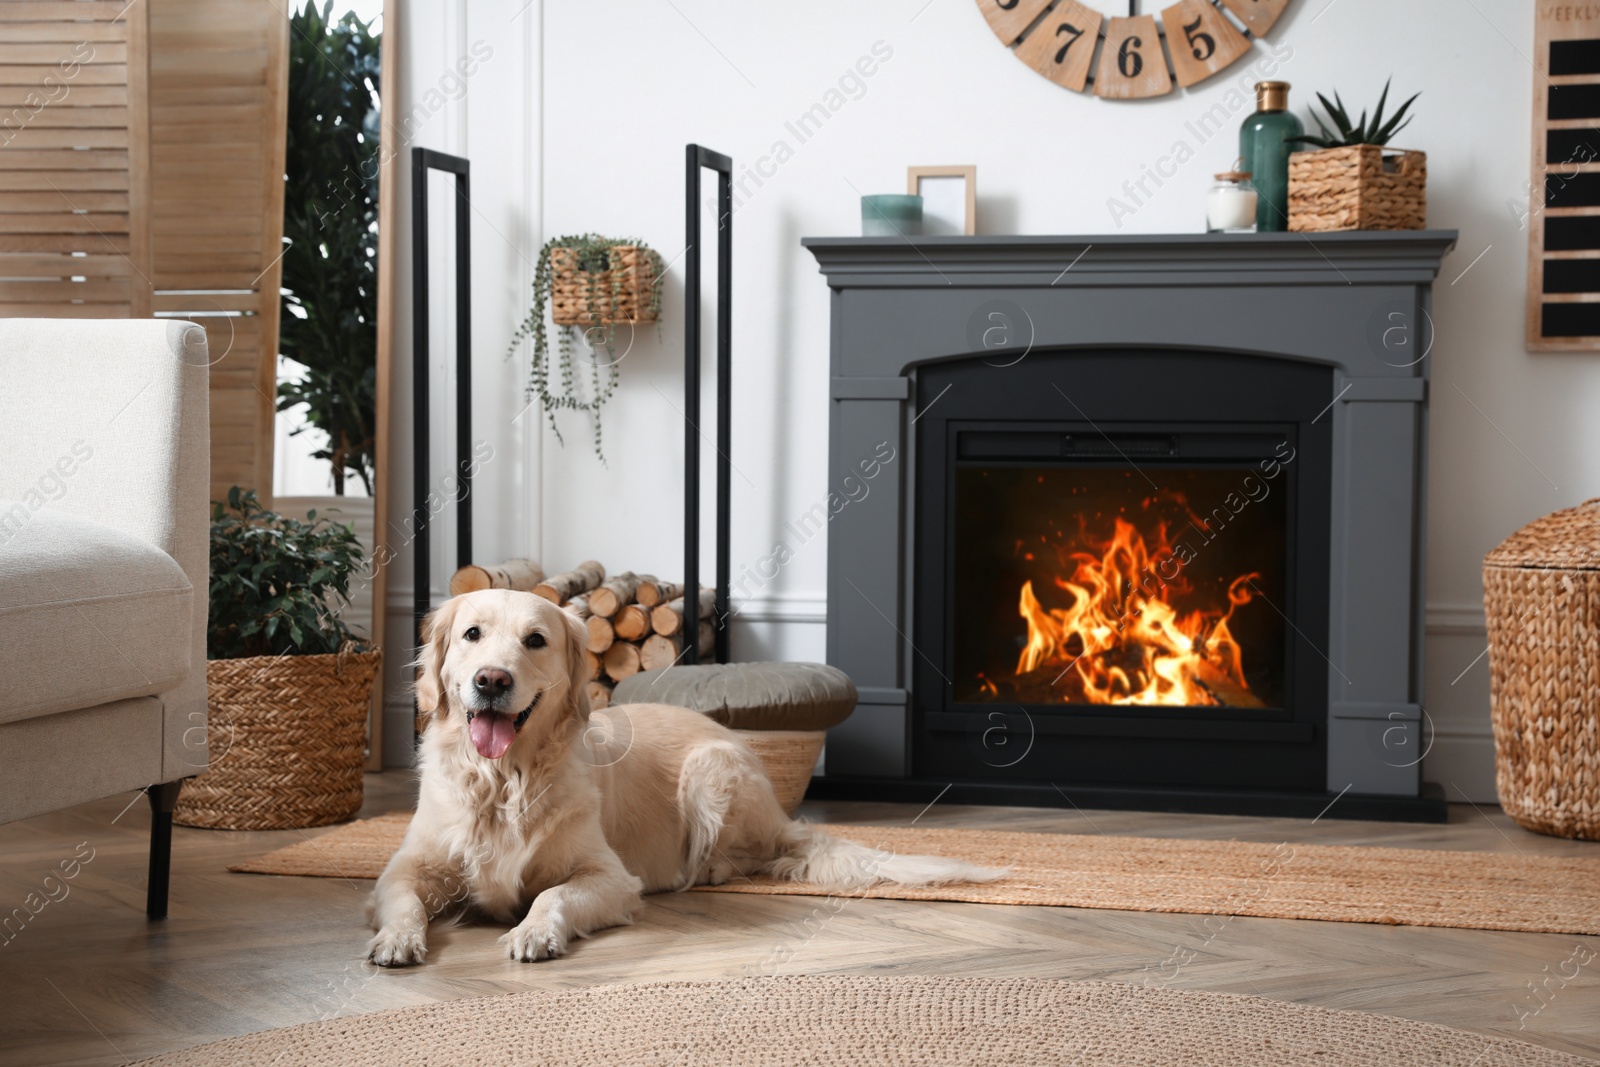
{"x":634,"y":621}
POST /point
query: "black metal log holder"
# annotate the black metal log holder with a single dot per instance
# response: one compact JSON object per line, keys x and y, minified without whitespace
{"x":698,"y":158}
{"x":425,"y":159}
{"x":422,"y":161}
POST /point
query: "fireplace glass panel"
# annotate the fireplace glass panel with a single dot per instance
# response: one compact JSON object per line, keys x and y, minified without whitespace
{"x":1152,"y":586}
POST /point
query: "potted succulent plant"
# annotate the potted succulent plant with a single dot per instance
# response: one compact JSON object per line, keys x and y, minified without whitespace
{"x":1353,"y":181}
{"x":593,"y":284}
{"x":289,"y":685}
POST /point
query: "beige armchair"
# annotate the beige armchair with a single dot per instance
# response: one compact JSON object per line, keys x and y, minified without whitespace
{"x":104,"y":486}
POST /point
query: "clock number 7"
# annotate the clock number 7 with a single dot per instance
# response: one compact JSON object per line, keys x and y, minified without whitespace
{"x":1074,"y":32}
{"x":1204,"y":45}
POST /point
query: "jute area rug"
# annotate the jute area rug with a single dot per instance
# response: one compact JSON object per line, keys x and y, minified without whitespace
{"x":1416,"y":887}
{"x":859,"y":1020}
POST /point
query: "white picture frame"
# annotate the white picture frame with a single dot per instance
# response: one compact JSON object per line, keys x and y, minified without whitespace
{"x":949,"y":198}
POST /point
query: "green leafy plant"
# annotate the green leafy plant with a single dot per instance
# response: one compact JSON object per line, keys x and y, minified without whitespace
{"x":276,"y":581}
{"x":330,"y":219}
{"x":602,"y":299}
{"x":1376,"y":132}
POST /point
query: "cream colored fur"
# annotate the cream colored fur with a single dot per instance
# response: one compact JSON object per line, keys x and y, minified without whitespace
{"x":584,"y":812}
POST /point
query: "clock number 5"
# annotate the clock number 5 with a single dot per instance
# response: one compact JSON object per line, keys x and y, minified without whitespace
{"x":1204,"y":45}
{"x":1073,"y":32}
{"x":1129,"y":61}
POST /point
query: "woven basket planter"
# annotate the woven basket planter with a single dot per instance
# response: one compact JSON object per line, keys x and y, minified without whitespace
{"x":288,"y":742}
{"x":1541,"y":594}
{"x":789,"y":756}
{"x":620,"y":292}
{"x":1359,"y":187}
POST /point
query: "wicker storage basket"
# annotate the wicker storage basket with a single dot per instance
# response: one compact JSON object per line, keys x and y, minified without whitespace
{"x":1541,"y":594}
{"x":789,"y":756}
{"x":620,"y":291}
{"x":1359,"y":187}
{"x":288,"y":742}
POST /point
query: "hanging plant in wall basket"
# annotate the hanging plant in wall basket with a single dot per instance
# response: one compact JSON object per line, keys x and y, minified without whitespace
{"x":589,"y":286}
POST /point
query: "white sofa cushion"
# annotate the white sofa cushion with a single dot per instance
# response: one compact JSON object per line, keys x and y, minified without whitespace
{"x":88,"y":613}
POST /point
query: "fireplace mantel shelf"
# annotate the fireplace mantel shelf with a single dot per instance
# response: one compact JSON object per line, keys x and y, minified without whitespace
{"x":1356,"y":257}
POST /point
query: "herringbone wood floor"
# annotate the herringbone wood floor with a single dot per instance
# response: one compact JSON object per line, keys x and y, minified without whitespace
{"x":88,"y":981}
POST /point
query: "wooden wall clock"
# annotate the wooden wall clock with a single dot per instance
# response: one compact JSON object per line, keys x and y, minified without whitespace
{"x":1134,"y":57}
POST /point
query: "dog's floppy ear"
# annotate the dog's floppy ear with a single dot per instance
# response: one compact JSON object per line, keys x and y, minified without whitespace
{"x":577,"y":664}
{"x":436,"y":630}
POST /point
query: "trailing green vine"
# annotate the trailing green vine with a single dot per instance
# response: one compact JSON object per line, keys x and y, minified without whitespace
{"x":602,"y":303}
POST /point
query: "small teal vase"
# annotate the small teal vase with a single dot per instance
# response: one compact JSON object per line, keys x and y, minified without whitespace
{"x":1266,"y":153}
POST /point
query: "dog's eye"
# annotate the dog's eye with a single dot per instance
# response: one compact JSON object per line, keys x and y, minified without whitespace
{"x":534,"y":640}
{"x":472,"y":634}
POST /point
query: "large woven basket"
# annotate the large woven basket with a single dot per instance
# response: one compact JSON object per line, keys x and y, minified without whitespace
{"x":619,"y":291}
{"x":288,"y":742}
{"x":789,"y":757}
{"x":1358,"y":187}
{"x":1541,"y":594}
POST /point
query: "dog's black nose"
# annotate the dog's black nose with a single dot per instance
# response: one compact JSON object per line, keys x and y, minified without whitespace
{"x":491,"y":681}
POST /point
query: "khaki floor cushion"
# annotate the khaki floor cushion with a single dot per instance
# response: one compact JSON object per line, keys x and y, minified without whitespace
{"x":749,"y":696}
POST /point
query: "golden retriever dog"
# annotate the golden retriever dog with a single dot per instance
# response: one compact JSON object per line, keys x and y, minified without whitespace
{"x":535,"y":812}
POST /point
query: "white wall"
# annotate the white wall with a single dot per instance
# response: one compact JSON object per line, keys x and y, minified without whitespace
{"x":602,"y":98}
{"x":468,"y":85}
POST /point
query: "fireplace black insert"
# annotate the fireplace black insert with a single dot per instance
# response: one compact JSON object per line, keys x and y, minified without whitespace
{"x":1131,"y":583}
{"x":1121,"y":570}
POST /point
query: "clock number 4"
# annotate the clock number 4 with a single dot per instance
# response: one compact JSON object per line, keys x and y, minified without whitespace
{"x":1129,"y":61}
{"x":1204,"y":45}
{"x":1073,"y":34}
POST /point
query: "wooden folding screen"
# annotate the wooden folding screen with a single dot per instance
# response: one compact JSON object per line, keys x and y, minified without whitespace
{"x":141,"y":172}
{"x":74,"y":237}
{"x":218,"y":109}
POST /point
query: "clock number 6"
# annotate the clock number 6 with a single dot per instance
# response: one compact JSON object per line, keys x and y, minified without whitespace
{"x":1130,"y":62}
{"x":1204,"y":45}
{"x":1074,"y":32}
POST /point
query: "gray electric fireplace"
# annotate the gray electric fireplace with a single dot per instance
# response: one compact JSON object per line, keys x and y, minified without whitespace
{"x":1152,"y":536}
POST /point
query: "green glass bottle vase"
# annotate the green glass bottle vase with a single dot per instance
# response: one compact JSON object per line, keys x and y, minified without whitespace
{"x":1266,"y":154}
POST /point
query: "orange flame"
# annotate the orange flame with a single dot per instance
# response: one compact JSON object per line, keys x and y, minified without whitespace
{"x":1121,"y":642}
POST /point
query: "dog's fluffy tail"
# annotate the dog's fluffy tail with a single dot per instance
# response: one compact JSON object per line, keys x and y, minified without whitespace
{"x":810,"y":855}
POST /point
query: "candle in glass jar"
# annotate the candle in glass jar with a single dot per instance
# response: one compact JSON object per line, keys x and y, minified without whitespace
{"x":1231,"y":204}
{"x":891,"y":215}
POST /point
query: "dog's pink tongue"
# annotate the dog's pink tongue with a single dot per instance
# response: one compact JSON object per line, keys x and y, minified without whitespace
{"x":492,"y":733}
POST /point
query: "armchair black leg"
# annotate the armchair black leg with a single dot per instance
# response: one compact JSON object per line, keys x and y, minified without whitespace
{"x":163,"y":798}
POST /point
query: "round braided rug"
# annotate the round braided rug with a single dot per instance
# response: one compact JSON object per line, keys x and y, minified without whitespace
{"x":866,"y":1021}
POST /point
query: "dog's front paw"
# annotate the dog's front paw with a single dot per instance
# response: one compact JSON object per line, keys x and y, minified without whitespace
{"x":717,"y":872}
{"x":397,"y":948}
{"x":535,"y":939}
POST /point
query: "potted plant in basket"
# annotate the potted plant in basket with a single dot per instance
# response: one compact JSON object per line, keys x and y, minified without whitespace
{"x":288,"y":684}
{"x":1353,"y":181}
{"x":591,"y":283}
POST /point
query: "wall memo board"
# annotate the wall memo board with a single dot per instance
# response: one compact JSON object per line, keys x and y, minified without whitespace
{"x":1563,"y":195}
